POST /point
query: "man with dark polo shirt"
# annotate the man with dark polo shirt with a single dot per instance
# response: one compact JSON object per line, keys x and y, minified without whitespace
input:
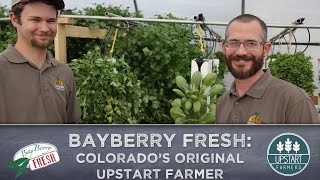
{"x":34,"y":87}
{"x":256,"y":97}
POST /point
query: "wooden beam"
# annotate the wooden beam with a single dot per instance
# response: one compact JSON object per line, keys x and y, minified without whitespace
{"x":64,"y":30}
{"x":66,"y":20}
{"x":85,"y":32}
{"x":60,"y":44}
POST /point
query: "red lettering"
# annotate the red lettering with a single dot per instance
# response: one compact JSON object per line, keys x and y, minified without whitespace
{"x":39,"y":162}
{"x":48,"y":159}
{"x":53,"y":158}
{"x":35,"y":165}
{"x":43,"y":161}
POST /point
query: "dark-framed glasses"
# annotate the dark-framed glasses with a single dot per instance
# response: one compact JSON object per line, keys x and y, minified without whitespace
{"x":249,"y":44}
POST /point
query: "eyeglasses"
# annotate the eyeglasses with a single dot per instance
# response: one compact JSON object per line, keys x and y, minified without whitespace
{"x":249,"y":44}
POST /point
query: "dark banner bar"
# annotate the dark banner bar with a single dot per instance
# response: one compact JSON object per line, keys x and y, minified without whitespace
{"x":159,"y":152}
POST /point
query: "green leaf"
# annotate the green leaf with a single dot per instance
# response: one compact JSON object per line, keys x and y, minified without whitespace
{"x":17,"y":162}
{"x":22,"y":168}
{"x":146,"y":51}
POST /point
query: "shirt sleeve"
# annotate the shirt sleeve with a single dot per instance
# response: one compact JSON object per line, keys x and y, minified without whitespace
{"x":303,"y":112}
{"x":73,"y":107}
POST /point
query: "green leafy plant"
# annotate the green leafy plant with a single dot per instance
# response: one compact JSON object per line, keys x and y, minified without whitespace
{"x":157,"y":53}
{"x":108,"y":90}
{"x":192,"y":107}
{"x":294,"y":68}
{"x":7,"y":31}
{"x":21,"y":164}
{"x":77,"y":47}
{"x":222,"y":70}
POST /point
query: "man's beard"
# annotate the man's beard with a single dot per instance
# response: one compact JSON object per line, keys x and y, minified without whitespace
{"x":41,"y":44}
{"x":257,"y":64}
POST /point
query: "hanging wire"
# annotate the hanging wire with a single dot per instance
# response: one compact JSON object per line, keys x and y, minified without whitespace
{"x":296,"y":46}
{"x":211,"y":38}
{"x":272,"y":50}
{"x":295,"y":41}
{"x":309,"y":37}
{"x":279,"y":46}
{"x":214,"y":43}
{"x":206,"y":40}
{"x":288,"y":30}
{"x":285,"y":40}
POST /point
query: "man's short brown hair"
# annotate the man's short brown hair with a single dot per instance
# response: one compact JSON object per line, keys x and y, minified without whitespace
{"x":246,"y":18}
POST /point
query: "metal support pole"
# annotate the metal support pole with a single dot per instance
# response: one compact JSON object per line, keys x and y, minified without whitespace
{"x":173,"y":21}
{"x":136,"y":7}
{"x":243,"y":6}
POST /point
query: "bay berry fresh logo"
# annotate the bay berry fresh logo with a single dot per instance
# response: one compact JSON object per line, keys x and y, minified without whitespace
{"x":34,"y":156}
{"x":288,"y":154}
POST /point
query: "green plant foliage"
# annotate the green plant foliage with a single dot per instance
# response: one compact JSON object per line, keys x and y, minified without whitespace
{"x":7,"y":31}
{"x":294,"y":68}
{"x":78,"y":47}
{"x":222,"y":65}
{"x":157,"y":53}
{"x":101,"y":9}
{"x":108,"y":90}
{"x":192,"y":107}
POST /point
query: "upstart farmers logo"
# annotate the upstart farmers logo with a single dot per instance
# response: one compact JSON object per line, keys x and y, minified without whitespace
{"x":34,"y":156}
{"x":288,"y":154}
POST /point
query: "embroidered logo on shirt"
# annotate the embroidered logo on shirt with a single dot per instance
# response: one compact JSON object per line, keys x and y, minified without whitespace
{"x":254,"y":119}
{"x":59,"y":84}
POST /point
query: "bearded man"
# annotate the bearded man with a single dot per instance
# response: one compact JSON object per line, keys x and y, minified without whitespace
{"x":256,"y":97}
